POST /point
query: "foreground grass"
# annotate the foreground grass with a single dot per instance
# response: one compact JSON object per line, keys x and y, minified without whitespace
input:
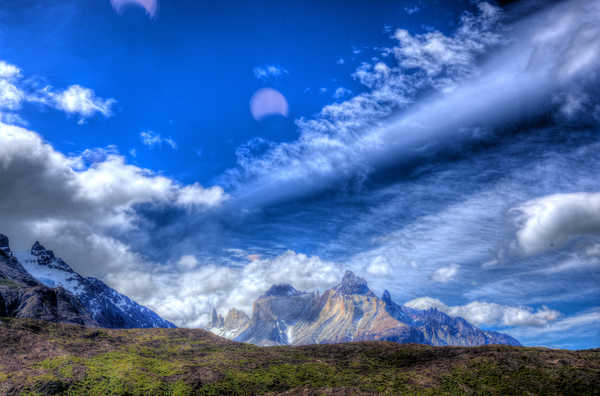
{"x":39,"y":358}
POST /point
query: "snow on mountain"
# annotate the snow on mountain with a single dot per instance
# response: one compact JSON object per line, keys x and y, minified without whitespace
{"x":108,"y":307}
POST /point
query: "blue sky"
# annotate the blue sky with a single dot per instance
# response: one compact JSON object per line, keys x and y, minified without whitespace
{"x":442,"y":150}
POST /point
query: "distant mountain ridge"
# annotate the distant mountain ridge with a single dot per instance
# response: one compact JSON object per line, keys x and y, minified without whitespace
{"x":348,"y":312}
{"x":102,"y":305}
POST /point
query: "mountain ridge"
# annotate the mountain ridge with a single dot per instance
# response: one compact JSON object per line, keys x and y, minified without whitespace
{"x":98,"y":304}
{"x":347,"y":312}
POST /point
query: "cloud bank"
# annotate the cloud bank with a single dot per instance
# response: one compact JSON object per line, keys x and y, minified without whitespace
{"x":187,"y":297}
{"x":490,"y":314}
{"x":529,"y":68}
{"x":549,"y":222}
{"x":80,"y":203}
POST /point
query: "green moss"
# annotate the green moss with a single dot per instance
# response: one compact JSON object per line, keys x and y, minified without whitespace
{"x":186,"y":362}
{"x":9,"y":283}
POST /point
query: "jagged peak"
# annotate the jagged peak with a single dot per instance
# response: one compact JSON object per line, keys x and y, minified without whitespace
{"x":38,"y":249}
{"x":386,"y":297}
{"x":46,"y":257}
{"x":4,"y":244}
{"x":3,"y":241}
{"x":352,"y":284}
{"x":281,"y":290}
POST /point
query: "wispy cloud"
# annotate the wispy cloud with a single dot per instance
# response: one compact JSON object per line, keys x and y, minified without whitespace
{"x":568,"y":332}
{"x":152,"y":139}
{"x":74,"y":100}
{"x":445,"y":274}
{"x":268,"y":72}
{"x":81,"y":101}
{"x":341,"y":93}
{"x":412,"y":9}
{"x":349,"y":139}
{"x":482,"y":313}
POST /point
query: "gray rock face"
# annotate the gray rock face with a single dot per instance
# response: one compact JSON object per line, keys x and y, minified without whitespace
{"x":108,"y":307}
{"x":441,"y":329}
{"x":352,"y":284}
{"x":282,"y":290}
{"x":22,"y":296}
{"x":348,"y":312}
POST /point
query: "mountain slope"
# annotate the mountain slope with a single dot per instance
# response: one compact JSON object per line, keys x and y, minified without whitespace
{"x":108,"y":307}
{"x":22,"y":296}
{"x":44,"y":358}
{"x":348,"y":312}
{"x":439,"y":328}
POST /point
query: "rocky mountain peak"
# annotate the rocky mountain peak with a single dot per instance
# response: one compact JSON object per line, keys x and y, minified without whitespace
{"x":282,"y":290}
{"x":216,"y":320}
{"x":46,"y":257}
{"x":235,"y":319}
{"x":386,"y":297}
{"x":38,"y":250}
{"x":352,"y":284}
{"x":4,"y":246}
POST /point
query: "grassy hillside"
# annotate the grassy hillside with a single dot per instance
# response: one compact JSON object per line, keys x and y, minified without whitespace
{"x":45,"y":358}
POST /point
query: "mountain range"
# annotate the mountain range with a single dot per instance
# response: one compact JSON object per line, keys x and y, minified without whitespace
{"x":37,"y":284}
{"x":348,"y":312}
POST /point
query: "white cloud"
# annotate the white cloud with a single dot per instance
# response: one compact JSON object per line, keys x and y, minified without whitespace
{"x":379,"y":267}
{"x":341,"y":92}
{"x":441,"y":87}
{"x":445,"y":274}
{"x":412,"y":10}
{"x":551,"y":221}
{"x":569,"y":332}
{"x":81,"y":199}
{"x":267,"y":72}
{"x":82,"y":101}
{"x":490,"y":314}
{"x":15,"y":91}
{"x":186,"y":298}
{"x":187,"y":262}
{"x":151,"y":139}
{"x":8,"y":71}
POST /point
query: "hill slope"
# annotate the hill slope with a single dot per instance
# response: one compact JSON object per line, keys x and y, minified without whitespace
{"x":47,"y":358}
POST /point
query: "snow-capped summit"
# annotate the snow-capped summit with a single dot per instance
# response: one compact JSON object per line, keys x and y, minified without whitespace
{"x":107,"y":306}
{"x":46,"y":257}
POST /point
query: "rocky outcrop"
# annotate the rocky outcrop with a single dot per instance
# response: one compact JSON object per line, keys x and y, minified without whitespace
{"x":108,"y":307}
{"x":23,"y":296}
{"x":234,"y":323}
{"x":348,"y":312}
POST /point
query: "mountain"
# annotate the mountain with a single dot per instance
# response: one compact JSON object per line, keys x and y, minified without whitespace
{"x":348,"y":312}
{"x":106,"y":306}
{"x":23,"y":296}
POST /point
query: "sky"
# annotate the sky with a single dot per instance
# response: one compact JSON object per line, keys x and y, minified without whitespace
{"x":191,"y":155}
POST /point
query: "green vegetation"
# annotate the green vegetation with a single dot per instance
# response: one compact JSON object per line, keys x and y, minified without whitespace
{"x":9,"y":283}
{"x":42,"y":358}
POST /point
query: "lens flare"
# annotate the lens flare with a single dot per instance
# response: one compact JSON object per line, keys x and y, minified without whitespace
{"x":151,"y":6}
{"x":266,"y":102}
